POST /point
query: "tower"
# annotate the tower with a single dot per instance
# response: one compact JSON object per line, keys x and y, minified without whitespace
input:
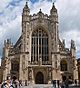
{"x":6,"y":64}
{"x":54,"y":25}
{"x":73,"y":55}
{"x":24,"y":57}
{"x":25,"y":28}
{"x":55,"y":44}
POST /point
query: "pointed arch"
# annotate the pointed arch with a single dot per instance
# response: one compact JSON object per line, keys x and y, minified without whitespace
{"x":39,"y":79}
{"x":63,"y":65}
{"x":39,"y":45}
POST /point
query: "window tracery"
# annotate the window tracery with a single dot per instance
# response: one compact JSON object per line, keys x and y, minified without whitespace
{"x":39,"y":48}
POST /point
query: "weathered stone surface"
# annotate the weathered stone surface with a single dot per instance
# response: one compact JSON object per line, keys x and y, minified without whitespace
{"x":37,"y":61}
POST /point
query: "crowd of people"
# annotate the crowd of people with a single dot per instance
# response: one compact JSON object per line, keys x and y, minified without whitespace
{"x":63,"y":84}
{"x":14,"y":83}
{"x":11,"y":83}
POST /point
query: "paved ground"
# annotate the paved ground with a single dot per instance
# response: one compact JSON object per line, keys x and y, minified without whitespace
{"x":46,"y":86}
{"x":74,"y":86}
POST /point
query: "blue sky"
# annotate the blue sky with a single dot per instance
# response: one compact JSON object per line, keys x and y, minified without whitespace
{"x":69,"y":19}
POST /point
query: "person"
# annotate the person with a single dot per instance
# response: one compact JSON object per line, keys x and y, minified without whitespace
{"x":76,"y":82}
{"x":66,"y":83}
{"x":7,"y":83}
{"x":54,"y":83}
{"x":3,"y":85}
{"x":11,"y":84}
{"x":58,"y":83}
{"x":62,"y":84}
{"x":14,"y":83}
{"x":20,"y":83}
{"x":25,"y":82}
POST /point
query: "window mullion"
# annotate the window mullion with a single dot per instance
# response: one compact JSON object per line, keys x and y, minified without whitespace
{"x":33,"y":48}
{"x":38,"y":45}
{"x":41,"y":44}
{"x":36,"y":48}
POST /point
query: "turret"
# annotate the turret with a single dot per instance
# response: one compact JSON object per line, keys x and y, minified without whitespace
{"x":54,"y":14}
{"x":73,"y":56}
{"x":26,"y":9}
{"x":63,"y":42}
{"x":40,"y":14}
{"x":7,"y":46}
{"x":53,"y":10}
{"x":73,"y":48}
{"x":73,"y":45}
{"x":26,"y":12}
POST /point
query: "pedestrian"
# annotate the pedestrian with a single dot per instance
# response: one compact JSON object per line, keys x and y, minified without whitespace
{"x":7,"y":83}
{"x":54,"y":83}
{"x":58,"y":83}
{"x":66,"y":83}
{"x":3,"y":85}
{"x":14,"y":83}
{"x":76,"y":82}
{"x":20,"y":83}
{"x":25,"y":82}
{"x":11,"y":84}
{"x":17,"y":83}
{"x":62,"y":84}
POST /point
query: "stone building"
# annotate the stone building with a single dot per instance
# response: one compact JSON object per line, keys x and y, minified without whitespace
{"x":78,"y":69}
{"x":0,"y":74}
{"x":39,"y":55}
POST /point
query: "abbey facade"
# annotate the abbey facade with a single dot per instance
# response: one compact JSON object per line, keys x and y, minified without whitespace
{"x":39,"y":56}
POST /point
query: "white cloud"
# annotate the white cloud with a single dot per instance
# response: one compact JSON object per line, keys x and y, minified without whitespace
{"x":10,"y":23}
{"x":3,"y":4}
{"x":0,"y":60}
{"x":45,"y":6}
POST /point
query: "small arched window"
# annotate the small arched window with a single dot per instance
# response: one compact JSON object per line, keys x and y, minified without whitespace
{"x":14,"y":66}
{"x":63,"y":65}
{"x":39,"y":46}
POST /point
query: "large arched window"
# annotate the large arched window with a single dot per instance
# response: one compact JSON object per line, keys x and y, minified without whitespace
{"x":63,"y":65}
{"x":39,"y":47}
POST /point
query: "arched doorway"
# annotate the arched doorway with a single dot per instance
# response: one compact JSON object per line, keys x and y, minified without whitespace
{"x":39,"y":78}
{"x":63,"y":65}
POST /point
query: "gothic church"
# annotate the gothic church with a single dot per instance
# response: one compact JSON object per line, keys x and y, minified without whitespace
{"x":39,"y":55}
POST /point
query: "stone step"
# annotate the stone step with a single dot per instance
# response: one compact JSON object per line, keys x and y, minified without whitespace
{"x":46,"y":86}
{"x":38,"y":86}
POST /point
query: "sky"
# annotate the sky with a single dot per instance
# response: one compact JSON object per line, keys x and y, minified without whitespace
{"x":68,"y":12}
